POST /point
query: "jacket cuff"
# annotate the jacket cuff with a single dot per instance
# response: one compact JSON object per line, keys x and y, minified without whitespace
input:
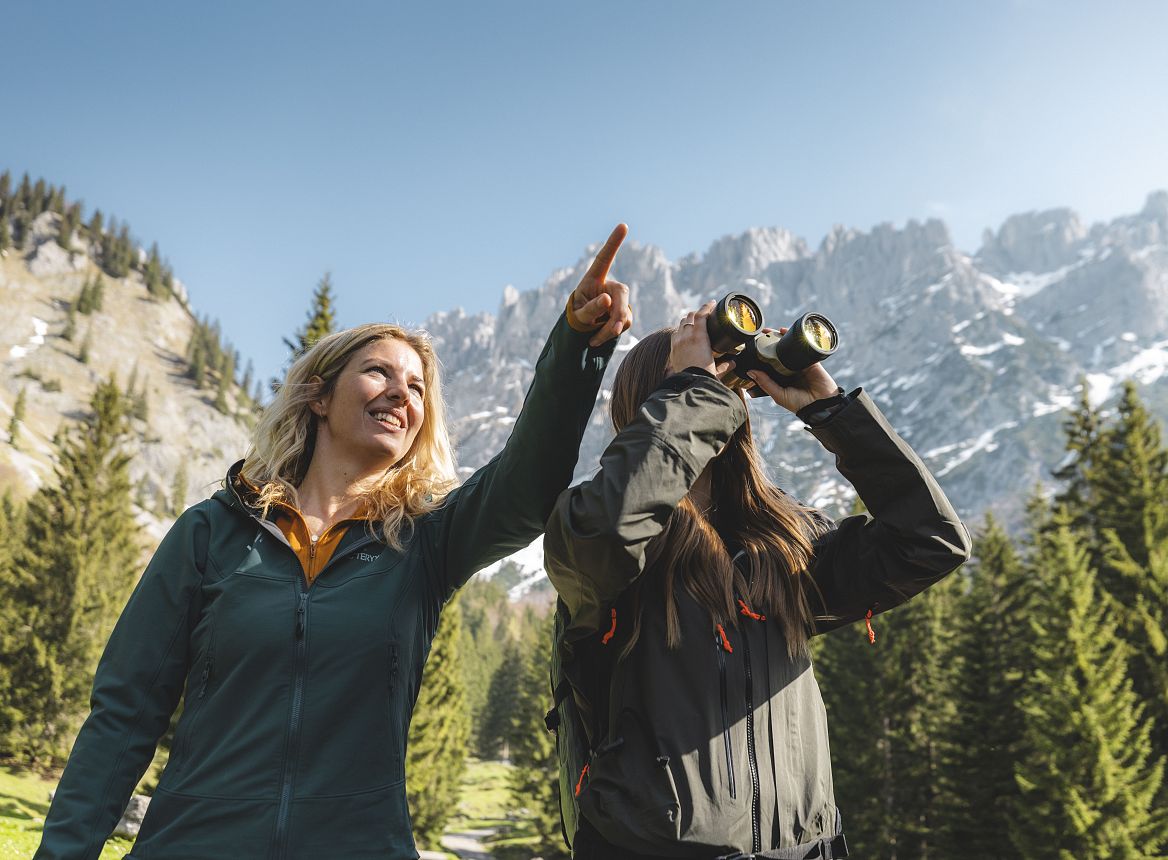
{"x":821,"y":411}
{"x":683,"y":379}
{"x":574,"y":322}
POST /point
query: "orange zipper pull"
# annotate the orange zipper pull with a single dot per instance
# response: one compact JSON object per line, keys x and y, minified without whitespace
{"x":611,"y":631}
{"x":746,"y":610}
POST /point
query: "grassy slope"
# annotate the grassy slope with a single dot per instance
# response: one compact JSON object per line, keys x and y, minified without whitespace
{"x":485,"y":803}
{"x":24,"y":800}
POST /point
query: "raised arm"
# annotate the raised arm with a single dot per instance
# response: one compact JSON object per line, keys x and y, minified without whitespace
{"x":911,"y":536}
{"x":137,"y":687}
{"x":503,"y":506}
{"x":597,"y":534}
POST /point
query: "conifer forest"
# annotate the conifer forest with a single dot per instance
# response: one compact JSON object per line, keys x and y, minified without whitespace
{"x":1019,"y":709}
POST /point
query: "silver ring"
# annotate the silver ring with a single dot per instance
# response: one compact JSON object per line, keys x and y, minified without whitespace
{"x":687,"y":323}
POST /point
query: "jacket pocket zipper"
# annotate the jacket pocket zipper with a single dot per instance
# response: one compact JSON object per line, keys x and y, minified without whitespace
{"x":729,"y":745}
{"x":204,"y":682}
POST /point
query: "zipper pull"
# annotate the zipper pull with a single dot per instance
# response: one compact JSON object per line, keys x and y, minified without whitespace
{"x":300,"y":610}
{"x":312,"y":547}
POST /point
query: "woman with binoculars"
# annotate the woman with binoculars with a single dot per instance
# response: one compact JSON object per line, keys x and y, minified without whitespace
{"x":689,"y":586}
{"x":296,"y":607}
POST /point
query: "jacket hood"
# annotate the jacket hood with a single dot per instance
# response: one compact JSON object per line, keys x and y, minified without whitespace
{"x":237,"y":494}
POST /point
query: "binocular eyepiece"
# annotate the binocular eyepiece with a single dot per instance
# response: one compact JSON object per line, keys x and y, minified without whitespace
{"x":736,"y":331}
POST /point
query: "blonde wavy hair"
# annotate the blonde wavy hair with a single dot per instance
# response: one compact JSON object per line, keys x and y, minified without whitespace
{"x":283,"y":441}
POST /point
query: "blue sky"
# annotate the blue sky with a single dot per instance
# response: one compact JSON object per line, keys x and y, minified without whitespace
{"x":428,"y":154}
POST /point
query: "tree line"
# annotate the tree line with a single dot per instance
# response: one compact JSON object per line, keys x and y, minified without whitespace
{"x":1019,"y":709}
{"x":110,"y":242}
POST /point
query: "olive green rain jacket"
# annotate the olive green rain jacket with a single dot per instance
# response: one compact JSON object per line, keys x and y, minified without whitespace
{"x":720,"y":746}
{"x":292,"y":741}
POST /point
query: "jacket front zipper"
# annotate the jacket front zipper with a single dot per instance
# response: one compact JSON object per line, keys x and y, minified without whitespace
{"x":725,"y":715}
{"x":299,"y":670}
{"x":751,"y":753}
{"x":298,"y":673}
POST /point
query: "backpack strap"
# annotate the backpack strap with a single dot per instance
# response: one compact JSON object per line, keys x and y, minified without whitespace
{"x":561,"y":692}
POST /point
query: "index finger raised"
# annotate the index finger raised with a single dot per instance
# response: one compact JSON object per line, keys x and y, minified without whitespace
{"x":605,"y":256}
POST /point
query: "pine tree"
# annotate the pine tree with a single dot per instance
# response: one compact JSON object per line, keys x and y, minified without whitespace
{"x":81,"y":552}
{"x":5,"y":186}
{"x":17,"y":419}
{"x":5,"y":233}
{"x":226,"y":380}
{"x":437,"y":749}
{"x":86,"y":344}
{"x":97,"y":293}
{"x":24,"y":194}
{"x":495,"y":732}
{"x":1087,"y":774}
{"x":40,"y":198}
{"x":984,"y":741}
{"x":178,"y":491}
{"x":197,"y":357}
{"x":153,"y":274}
{"x":484,"y":603}
{"x":1130,"y":492}
{"x":535,"y":778}
{"x":85,"y":298}
{"x":70,"y":221}
{"x":245,"y":384}
{"x":21,"y":227}
{"x":321,"y":319}
{"x":70,"y":330}
{"x":56,"y":199}
{"x":14,"y":622}
{"x":96,"y":224}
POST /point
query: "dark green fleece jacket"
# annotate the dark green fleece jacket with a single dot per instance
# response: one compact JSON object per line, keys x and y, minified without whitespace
{"x":298,"y":698}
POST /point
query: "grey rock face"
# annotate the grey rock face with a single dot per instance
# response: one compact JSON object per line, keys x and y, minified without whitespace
{"x":974,"y":359}
{"x":131,"y":820}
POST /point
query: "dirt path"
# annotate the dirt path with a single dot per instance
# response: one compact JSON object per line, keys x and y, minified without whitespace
{"x":467,"y":844}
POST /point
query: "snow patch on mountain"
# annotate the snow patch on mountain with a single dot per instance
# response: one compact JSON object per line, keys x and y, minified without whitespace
{"x":529,"y":560}
{"x":40,"y":328}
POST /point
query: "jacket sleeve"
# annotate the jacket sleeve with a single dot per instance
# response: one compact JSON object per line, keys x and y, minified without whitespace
{"x":136,"y":689}
{"x":597,"y":535}
{"x":503,"y":506}
{"x":911,"y":537}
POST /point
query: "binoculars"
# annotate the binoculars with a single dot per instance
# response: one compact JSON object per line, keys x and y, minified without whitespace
{"x":736,"y":331}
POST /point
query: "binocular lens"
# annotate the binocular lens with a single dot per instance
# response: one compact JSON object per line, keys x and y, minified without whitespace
{"x":735,"y":320}
{"x":819,"y":333}
{"x":744,"y":314}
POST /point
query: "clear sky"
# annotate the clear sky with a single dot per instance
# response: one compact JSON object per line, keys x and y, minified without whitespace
{"x":430,"y":153}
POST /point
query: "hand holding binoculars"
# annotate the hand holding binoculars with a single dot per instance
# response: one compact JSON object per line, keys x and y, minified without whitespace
{"x":736,"y":331}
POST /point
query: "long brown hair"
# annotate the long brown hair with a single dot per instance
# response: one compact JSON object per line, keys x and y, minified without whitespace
{"x":748,"y":511}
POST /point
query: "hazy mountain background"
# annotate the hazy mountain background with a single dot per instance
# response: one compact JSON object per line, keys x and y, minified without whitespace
{"x":973,"y":356}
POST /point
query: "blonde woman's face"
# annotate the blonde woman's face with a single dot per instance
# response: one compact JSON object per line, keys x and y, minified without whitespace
{"x":377,"y":406}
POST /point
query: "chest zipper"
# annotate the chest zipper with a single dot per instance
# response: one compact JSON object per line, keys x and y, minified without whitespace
{"x":751,"y":752}
{"x":298,"y":673}
{"x":727,"y":742}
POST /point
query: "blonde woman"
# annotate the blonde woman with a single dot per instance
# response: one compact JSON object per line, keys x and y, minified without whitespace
{"x":690,"y":585}
{"x":296,"y":607}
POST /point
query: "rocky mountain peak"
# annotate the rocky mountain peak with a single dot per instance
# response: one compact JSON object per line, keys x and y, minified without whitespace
{"x":1033,"y":242}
